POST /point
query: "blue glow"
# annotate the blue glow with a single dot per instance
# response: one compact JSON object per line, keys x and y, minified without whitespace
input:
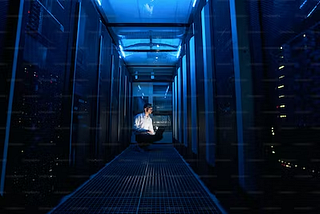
{"x":165,"y":94}
{"x":141,"y":44}
{"x":149,"y":58}
{"x":179,"y":51}
{"x":122,"y":52}
{"x":132,"y":11}
{"x":99,"y":2}
{"x":303,"y":4}
{"x":128,"y":42}
{"x":174,"y":42}
{"x":313,"y":9}
{"x":194,"y":3}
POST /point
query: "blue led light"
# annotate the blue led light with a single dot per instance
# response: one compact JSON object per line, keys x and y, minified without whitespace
{"x":179,"y":51}
{"x":303,"y":4}
{"x":122,"y":52}
{"x":165,"y":94}
{"x":194,"y":3}
{"x":99,"y":2}
{"x":313,"y":9}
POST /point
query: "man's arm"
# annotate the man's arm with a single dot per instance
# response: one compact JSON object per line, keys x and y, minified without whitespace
{"x":151,"y":130}
{"x":136,"y":126}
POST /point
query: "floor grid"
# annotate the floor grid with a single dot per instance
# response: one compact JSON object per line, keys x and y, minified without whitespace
{"x":157,"y":181}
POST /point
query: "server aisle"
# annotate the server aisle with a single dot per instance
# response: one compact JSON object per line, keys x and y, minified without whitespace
{"x":158,"y":181}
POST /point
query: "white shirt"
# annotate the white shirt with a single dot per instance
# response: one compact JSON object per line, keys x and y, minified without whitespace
{"x":142,"y":124}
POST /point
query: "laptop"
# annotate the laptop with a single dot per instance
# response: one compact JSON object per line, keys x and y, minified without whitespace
{"x":160,"y":130}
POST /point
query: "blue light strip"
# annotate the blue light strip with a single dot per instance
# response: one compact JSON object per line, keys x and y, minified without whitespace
{"x":194,"y":3}
{"x":303,"y":4}
{"x":165,"y":94}
{"x":179,"y":51}
{"x":167,"y":90}
{"x":99,"y":2}
{"x":122,"y":52}
{"x":313,"y":9}
{"x":11,"y":94}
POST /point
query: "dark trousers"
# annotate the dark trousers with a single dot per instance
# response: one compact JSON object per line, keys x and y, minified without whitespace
{"x":145,"y":140}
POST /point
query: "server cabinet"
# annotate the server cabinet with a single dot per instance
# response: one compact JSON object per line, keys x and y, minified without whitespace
{"x":84,"y":92}
{"x":7,"y":66}
{"x":30,"y":167}
{"x":225,"y":100}
{"x":114,"y":103}
{"x":104,"y":82}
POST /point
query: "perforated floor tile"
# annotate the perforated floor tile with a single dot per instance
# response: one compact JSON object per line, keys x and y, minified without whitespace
{"x":158,"y":181}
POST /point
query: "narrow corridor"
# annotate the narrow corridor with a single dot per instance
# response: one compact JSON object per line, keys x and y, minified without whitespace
{"x":158,"y":181}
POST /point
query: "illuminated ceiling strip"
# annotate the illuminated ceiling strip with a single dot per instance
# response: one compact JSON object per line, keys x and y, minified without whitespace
{"x":122,"y":52}
{"x":151,"y":44}
{"x":303,"y":4}
{"x":148,"y":50}
{"x":179,"y":51}
{"x":147,"y":24}
{"x":194,"y":3}
{"x":313,"y":9}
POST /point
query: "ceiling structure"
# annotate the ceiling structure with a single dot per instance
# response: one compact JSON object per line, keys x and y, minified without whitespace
{"x":149,"y":34}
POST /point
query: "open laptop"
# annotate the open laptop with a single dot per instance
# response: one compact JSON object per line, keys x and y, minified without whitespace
{"x":160,"y":130}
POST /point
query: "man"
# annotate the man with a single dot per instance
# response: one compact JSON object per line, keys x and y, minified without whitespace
{"x":143,"y":128}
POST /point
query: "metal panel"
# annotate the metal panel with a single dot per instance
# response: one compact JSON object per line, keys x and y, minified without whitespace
{"x":85,"y":79}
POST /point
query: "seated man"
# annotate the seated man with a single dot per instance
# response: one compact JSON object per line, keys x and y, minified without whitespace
{"x":143,"y":128}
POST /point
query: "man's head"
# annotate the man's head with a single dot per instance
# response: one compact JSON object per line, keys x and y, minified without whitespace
{"x":147,"y":108}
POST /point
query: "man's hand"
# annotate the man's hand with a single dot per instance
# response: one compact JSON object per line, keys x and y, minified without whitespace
{"x":150,"y":132}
